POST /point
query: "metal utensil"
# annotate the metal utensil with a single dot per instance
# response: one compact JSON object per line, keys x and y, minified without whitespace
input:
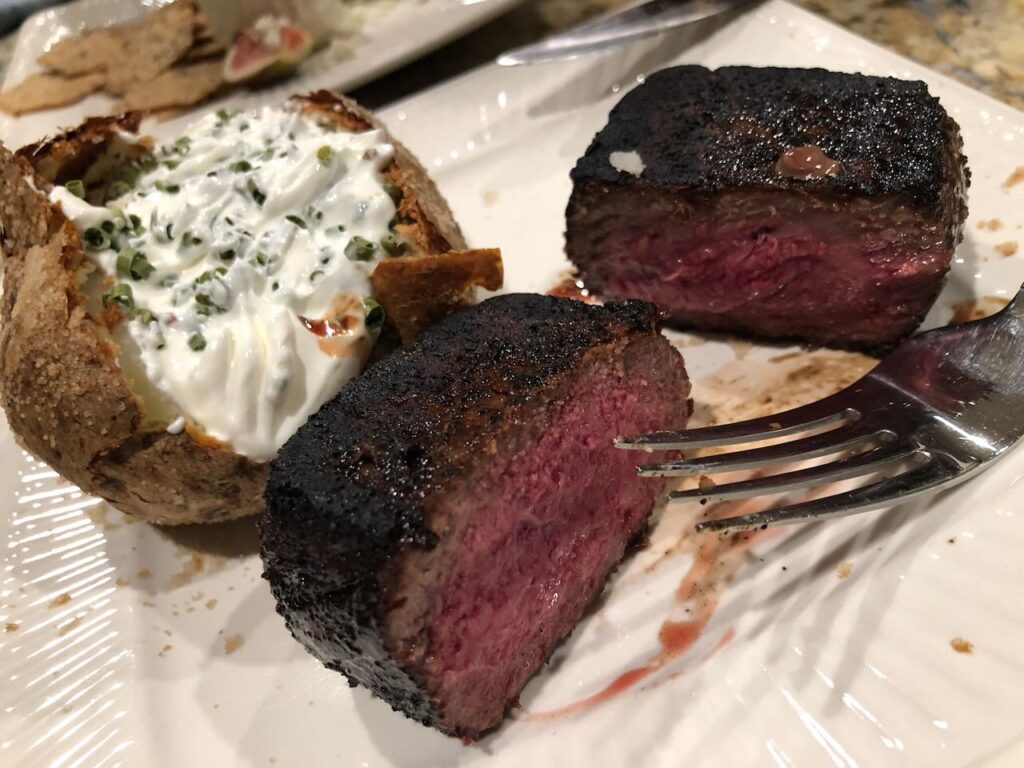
{"x":942,"y":406}
{"x":645,"y":20}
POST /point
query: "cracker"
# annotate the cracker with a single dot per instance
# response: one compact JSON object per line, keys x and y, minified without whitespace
{"x":151,"y":45}
{"x":90,"y":51}
{"x":46,"y":91}
{"x":178,"y":87}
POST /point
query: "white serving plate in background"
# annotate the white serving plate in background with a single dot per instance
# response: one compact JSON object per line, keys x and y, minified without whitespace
{"x":398,"y":31}
{"x":167,"y":650}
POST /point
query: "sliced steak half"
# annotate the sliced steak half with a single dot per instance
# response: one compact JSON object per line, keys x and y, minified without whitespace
{"x":779,"y":203}
{"x":439,"y":526}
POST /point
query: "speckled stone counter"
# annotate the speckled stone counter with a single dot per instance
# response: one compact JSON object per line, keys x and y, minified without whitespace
{"x":980,"y":42}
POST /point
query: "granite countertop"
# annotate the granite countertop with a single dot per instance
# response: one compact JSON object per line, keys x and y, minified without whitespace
{"x":979,"y":42}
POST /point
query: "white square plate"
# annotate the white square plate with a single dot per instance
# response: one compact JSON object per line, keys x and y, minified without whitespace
{"x":830,"y":645}
{"x":396,"y":32}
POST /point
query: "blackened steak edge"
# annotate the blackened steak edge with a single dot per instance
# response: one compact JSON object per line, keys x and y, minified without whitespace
{"x":709,"y":130}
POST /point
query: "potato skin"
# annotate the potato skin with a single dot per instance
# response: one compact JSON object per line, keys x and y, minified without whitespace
{"x":60,"y":383}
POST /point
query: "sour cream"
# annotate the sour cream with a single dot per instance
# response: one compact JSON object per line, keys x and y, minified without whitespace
{"x":240,"y":258}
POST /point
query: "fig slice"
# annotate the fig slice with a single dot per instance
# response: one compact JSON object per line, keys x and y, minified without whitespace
{"x":272,"y":48}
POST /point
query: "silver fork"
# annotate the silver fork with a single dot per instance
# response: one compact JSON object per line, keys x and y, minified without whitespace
{"x":938,"y":409}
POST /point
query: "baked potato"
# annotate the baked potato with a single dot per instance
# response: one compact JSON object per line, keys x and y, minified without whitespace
{"x":77,"y":398}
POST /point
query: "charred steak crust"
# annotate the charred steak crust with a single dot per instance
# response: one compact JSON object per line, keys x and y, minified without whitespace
{"x":348,"y":495}
{"x":704,"y":213}
{"x":708,"y":130}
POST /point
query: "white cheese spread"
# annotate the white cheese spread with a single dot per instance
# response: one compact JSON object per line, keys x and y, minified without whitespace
{"x":627,"y":162}
{"x":240,"y":258}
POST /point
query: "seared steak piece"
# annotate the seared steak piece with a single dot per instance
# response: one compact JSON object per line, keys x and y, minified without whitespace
{"x":780,"y":203}
{"x":439,"y":526}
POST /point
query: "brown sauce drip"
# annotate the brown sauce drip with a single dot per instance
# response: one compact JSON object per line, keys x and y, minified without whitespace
{"x":806,"y":163}
{"x":572,"y":287}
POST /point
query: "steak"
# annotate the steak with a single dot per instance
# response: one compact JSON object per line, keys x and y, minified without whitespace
{"x":777,"y":203}
{"x":439,"y":526}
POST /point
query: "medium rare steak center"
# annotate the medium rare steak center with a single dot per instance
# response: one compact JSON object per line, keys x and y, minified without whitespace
{"x":439,"y":526}
{"x":776,"y":203}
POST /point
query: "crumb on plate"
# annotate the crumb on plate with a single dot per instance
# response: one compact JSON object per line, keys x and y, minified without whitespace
{"x":961,"y":646}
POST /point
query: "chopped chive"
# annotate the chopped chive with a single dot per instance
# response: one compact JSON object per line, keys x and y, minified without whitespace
{"x":204,"y":299}
{"x":228,"y":255}
{"x":145,"y":317}
{"x":204,"y":278}
{"x":172,"y":164}
{"x":124,"y":262}
{"x":129,"y":173}
{"x":224,"y":116}
{"x":392,"y":246}
{"x":76,"y":188}
{"x":140,"y":268}
{"x":241,"y":166}
{"x":324,"y":154}
{"x":95,"y":239}
{"x":275,"y":285}
{"x":188,"y":240}
{"x":317,"y":273}
{"x":107,"y":226}
{"x":297,"y":221}
{"x":359,"y":249}
{"x":171,"y":189}
{"x":221,"y":271}
{"x":256,"y":192}
{"x":336,"y":230}
{"x":196,"y":342}
{"x":261,"y":259}
{"x":136,"y":223}
{"x":183,"y":145}
{"x":118,"y":189}
{"x":374,"y":313}
{"x":121,"y":295}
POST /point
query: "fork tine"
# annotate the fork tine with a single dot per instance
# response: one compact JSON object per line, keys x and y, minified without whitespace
{"x":843,"y":469}
{"x":790,"y":422}
{"x":835,"y":441}
{"x":940,"y":471}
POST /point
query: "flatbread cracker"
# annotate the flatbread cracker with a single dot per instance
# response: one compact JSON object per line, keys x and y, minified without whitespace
{"x":178,"y":87}
{"x":90,"y":51}
{"x":46,"y":91}
{"x":151,"y":45}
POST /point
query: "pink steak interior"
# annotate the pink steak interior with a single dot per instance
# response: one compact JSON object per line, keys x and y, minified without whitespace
{"x":785,"y":269}
{"x":546,"y":524}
